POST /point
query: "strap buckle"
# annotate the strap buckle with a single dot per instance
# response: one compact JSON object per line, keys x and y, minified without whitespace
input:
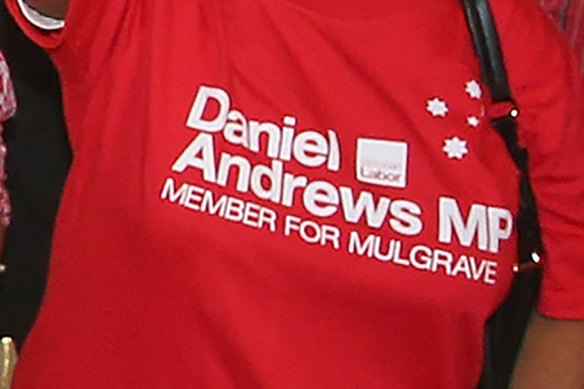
{"x":502,"y":109}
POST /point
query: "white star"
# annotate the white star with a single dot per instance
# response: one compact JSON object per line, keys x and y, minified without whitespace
{"x":474,"y":90}
{"x":473,"y":121}
{"x":437,"y":107}
{"x":455,"y":148}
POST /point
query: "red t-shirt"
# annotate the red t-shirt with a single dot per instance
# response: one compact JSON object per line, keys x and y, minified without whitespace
{"x":297,"y":194}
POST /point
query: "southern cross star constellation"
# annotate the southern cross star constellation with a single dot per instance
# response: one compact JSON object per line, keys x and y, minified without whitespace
{"x":456,"y":147}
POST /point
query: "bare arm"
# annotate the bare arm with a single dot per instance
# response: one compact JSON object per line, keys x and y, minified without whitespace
{"x":54,"y":8}
{"x":552,"y":355}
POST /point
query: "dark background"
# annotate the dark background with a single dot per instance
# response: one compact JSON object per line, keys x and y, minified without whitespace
{"x":37,"y":163}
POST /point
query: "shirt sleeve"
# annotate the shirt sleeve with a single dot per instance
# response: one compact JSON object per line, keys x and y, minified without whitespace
{"x":545,"y":79}
{"x":91,"y":34}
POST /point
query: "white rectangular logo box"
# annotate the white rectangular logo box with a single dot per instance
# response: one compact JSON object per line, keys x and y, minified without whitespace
{"x":382,"y":162}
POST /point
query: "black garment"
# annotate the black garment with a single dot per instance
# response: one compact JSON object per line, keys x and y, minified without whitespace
{"x":37,"y":164}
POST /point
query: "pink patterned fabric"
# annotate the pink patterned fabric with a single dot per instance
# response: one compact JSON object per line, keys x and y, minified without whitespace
{"x":7,"y":110}
{"x":569,"y":16}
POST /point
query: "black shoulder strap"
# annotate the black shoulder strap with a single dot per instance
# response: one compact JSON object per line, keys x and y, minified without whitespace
{"x":488,"y":49}
{"x":486,"y":42}
{"x":505,"y":329}
{"x":487,"y":46}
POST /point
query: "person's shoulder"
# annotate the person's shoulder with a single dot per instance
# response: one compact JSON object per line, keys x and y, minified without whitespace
{"x":524,"y":25}
{"x":520,"y":13}
{"x":512,"y":11}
